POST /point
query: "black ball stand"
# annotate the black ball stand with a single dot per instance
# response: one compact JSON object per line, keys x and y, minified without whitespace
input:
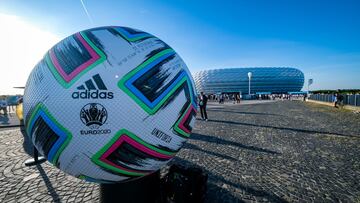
{"x":36,"y":160}
{"x":145,"y":189}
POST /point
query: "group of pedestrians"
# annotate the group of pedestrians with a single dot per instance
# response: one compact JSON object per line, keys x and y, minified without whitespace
{"x":236,"y":98}
{"x":203,"y":99}
{"x":222,"y":97}
{"x":8,"y":104}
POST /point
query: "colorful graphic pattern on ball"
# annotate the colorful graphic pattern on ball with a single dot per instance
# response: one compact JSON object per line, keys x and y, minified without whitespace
{"x":50,"y":137}
{"x":140,"y":89}
{"x":182,"y":126}
{"x":132,"y":35}
{"x":153,"y":97}
{"x":111,"y":155}
{"x":68,"y":64}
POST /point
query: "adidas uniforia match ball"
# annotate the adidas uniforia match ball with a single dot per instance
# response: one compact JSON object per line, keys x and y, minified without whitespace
{"x":109,"y":104}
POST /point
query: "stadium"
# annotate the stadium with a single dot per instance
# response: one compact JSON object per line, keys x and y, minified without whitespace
{"x":269,"y":80}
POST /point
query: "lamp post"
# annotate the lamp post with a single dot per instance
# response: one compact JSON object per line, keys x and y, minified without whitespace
{"x":249,"y":75}
{"x":310,"y":82}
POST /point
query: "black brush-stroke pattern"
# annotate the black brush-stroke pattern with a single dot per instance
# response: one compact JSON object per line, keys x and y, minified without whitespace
{"x":45,"y":137}
{"x":95,"y":40}
{"x":126,"y":155}
{"x":71,"y":53}
{"x":188,"y":120}
{"x":152,"y":83}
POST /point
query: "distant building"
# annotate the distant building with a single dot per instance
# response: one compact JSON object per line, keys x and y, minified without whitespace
{"x":264,"y":79}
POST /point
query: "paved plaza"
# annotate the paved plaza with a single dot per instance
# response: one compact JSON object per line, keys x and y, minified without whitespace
{"x":9,"y":120}
{"x":283,"y":151}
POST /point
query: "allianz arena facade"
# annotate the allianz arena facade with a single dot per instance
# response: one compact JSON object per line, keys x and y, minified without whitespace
{"x":264,"y":79}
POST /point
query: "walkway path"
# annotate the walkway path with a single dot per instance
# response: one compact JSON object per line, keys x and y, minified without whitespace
{"x":266,"y":152}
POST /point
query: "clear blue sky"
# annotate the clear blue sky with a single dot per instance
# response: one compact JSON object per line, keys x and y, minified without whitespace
{"x":321,"y":38}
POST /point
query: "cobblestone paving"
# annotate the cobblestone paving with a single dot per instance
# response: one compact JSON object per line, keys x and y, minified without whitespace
{"x":42,"y":183}
{"x":272,"y":152}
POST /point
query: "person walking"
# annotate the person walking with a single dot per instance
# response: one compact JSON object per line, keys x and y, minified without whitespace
{"x":238,"y":98}
{"x":340,"y":100}
{"x":202,"y":103}
{"x":335,"y":100}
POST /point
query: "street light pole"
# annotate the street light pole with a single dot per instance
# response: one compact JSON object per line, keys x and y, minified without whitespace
{"x":249,"y":75}
{"x":310,"y":82}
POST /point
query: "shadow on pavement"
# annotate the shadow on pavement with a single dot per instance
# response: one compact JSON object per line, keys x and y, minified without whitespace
{"x":194,"y":147}
{"x":48,"y":184}
{"x":254,"y":192}
{"x":218,"y":194}
{"x":213,"y":139}
{"x":213,"y":195}
{"x":283,"y":128}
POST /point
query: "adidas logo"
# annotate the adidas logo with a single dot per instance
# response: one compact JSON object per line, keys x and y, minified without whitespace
{"x":91,"y":90}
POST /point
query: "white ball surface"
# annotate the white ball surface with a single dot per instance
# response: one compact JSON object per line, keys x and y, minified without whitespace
{"x":109,"y":104}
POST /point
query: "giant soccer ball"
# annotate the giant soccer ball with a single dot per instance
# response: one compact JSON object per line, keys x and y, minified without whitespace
{"x":109,"y":104}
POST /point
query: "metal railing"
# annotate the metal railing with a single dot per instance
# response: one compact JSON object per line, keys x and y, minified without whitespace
{"x":353,"y":100}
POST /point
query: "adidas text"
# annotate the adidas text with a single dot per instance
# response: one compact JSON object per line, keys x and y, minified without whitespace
{"x":96,"y":94}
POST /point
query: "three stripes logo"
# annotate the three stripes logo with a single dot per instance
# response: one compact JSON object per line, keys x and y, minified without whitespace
{"x":94,"y":88}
